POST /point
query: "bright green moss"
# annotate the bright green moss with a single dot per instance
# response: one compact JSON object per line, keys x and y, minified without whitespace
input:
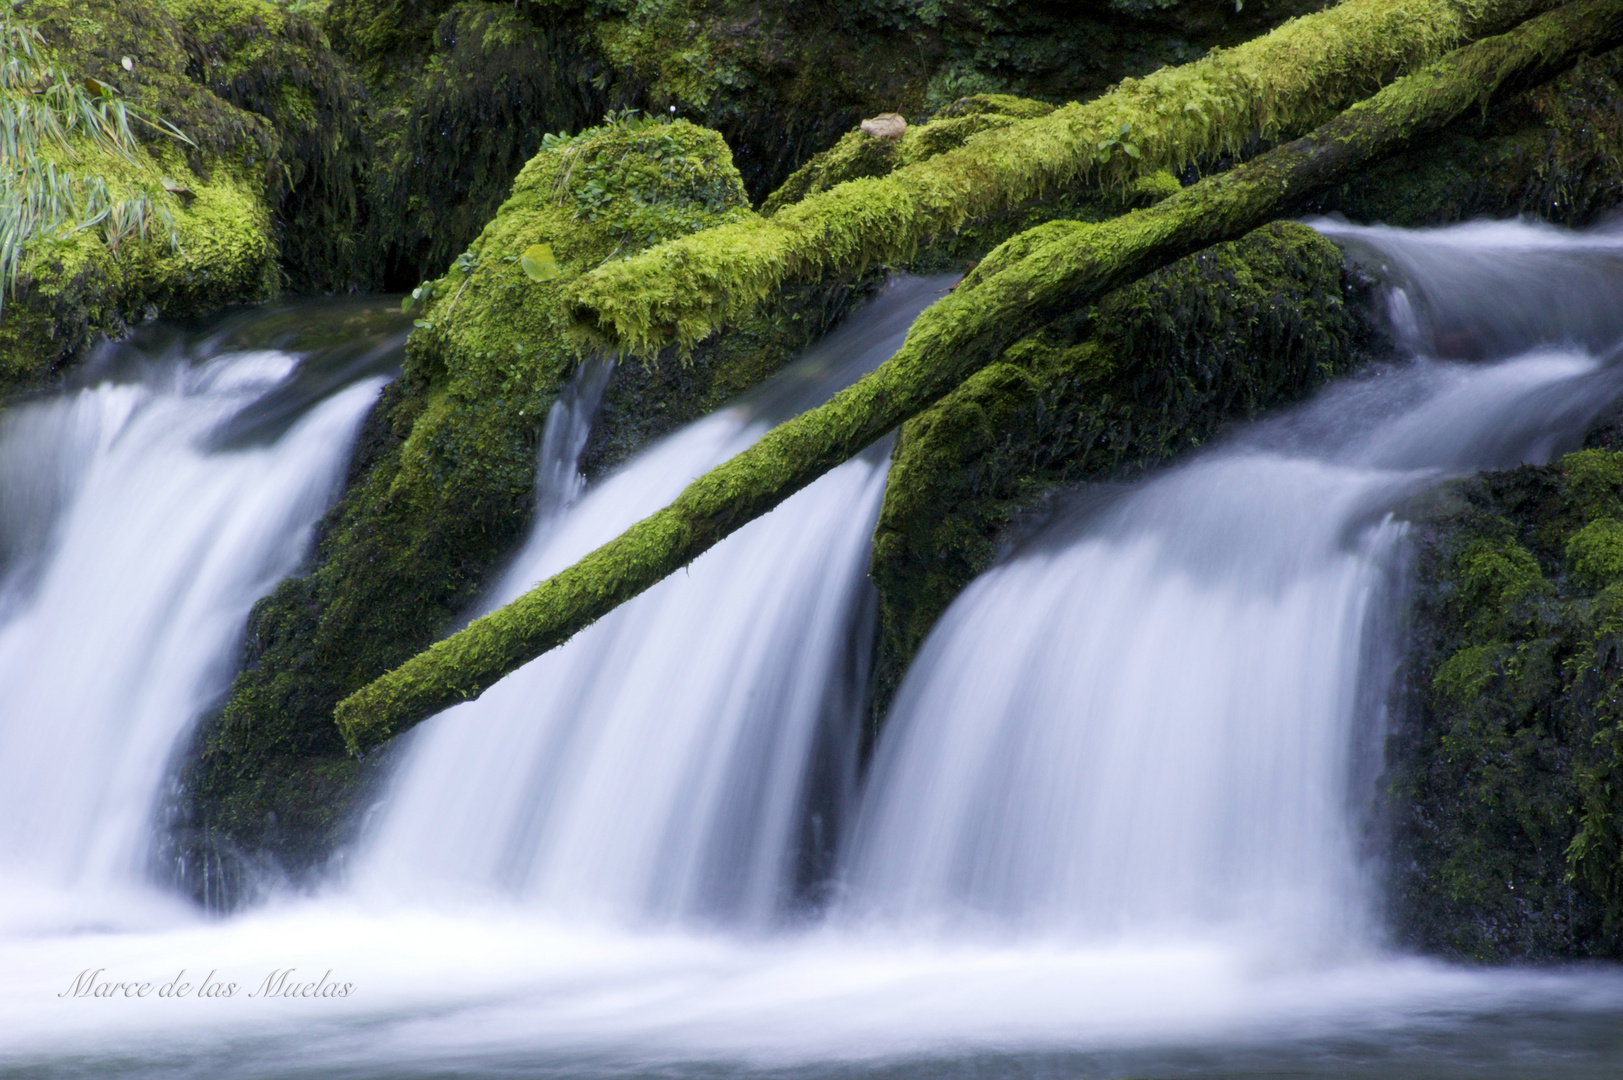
{"x":1594,"y":480}
{"x":1276,"y":85}
{"x":858,"y":155}
{"x":946,"y":346}
{"x":194,"y":253}
{"x":1596,"y":553}
{"x":1497,"y":581}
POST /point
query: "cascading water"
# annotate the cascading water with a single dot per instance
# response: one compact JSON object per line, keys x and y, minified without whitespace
{"x":1113,"y":826}
{"x":1158,"y":720}
{"x":668,"y":761}
{"x":1162,"y":718}
{"x":132,"y":545}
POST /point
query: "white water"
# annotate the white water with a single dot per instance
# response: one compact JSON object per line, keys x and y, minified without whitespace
{"x":1161,"y":720}
{"x":667,"y":761}
{"x":1113,"y":827}
{"x":132,"y":553}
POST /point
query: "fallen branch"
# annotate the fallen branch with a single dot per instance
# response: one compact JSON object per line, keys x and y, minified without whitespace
{"x":1024,"y":283}
{"x":1275,"y":86}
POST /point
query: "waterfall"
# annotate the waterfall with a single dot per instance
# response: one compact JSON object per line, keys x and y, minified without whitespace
{"x":1118,"y":821}
{"x":690,"y":755}
{"x":1163,"y":714}
{"x":132,"y":546}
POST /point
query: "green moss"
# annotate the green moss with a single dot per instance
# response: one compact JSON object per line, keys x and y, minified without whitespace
{"x":82,"y":285}
{"x":1596,"y":553}
{"x":387,"y":39}
{"x":858,"y":155}
{"x":443,"y":484}
{"x":1555,"y":151}
{"x":1277,"y":85}
{"x":1505,"y":765}
{"x":1072,"y":264}
{"x":93,"y":37}
{"x":272,"y":165}
{"x":781,"y":81}
{"x":1144,"y":375}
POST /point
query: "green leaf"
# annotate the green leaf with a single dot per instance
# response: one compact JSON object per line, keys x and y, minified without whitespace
{"x":406,"y":303}
{"x":1132,"y":151}
{"x":538,"y":264}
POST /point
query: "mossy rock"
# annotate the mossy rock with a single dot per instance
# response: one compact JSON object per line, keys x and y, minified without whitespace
{"x":1506,"y":762}
{"x":270,"y":173}
{"x":443,"y":484}
{"x":1148,"y":373}
{"x":79,"y":286}
{"x":259,"y":91}
{"x":74,"y":293}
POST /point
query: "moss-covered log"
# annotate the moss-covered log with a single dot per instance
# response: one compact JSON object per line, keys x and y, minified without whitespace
{"x":1555,"y":151}
{"x":1147,"y":372}
{"x":1271,"y":87}
{"x":1028,"y":281}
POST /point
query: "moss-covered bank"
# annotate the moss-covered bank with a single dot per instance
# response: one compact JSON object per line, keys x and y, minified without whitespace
{"x":1506,"y":765}
{"x":262,"y":186}
{"x":109,"y":219}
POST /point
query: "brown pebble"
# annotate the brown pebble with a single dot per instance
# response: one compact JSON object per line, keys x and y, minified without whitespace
{"x":885,"y":126}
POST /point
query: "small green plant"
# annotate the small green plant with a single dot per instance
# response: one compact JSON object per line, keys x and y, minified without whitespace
{"x":1107,"y":147}
{"x":46,"y":114}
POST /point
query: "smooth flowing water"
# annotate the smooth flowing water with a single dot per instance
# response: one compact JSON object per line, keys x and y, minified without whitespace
{"x":140,"y":517}
{"x":1117,"y":823}
{"x":692,"y":754}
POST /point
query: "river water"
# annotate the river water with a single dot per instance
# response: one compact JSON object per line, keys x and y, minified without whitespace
{"x":1118,"y":823}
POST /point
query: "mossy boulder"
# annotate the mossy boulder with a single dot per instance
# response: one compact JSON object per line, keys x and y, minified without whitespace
{"x":259,"y":91}
{"x":266,"y":179}
{"x":443,"y":484}
{"x":183,"y":230}
{"x":1146,"y":374}
{"x":76,"y":291}
{"x":1506,"y":763}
